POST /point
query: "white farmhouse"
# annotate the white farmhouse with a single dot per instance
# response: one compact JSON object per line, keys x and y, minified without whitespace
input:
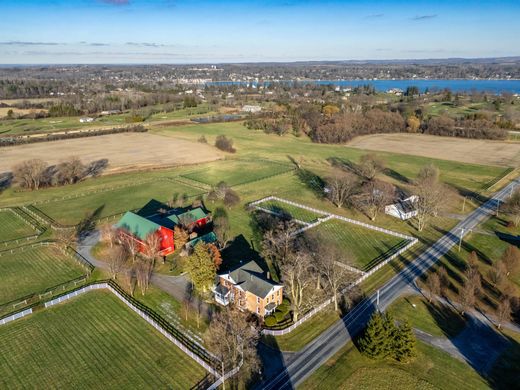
{"x":404,"y":209}
{"x":251,"y":109}
{"x":86,"y":120}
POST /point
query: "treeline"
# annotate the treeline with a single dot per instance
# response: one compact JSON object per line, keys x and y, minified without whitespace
{"x":27,"y":88}
{"x":330,"y":124}
{"x":35,"y":173}
{"x":20,"y":140}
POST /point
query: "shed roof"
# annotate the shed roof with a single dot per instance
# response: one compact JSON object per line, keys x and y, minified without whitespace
{"x":192,"y":215}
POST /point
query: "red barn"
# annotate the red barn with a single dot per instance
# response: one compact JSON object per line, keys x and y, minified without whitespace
{"x":140,"y":227}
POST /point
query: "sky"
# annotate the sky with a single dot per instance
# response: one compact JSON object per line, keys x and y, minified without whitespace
{"x":188,"y":31}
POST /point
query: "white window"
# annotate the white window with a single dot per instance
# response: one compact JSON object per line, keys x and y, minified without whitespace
{"x":257,"y":310}
{"x":257,"y":299}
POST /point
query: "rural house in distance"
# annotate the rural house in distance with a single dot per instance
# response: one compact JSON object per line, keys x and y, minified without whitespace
{"x":249,"y":288}
{"x":152,"y":219}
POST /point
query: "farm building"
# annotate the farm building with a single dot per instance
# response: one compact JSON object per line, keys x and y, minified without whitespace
{"x":141,"y":224}
{"x":86,"y":120}
{"x":249,"y":288}
{"x":403,"y":209}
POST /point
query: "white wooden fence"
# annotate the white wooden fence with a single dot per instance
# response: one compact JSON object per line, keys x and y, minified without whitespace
{"x":364,"y":275}
{"x":153,"y":323}
{"x":15,"y":316}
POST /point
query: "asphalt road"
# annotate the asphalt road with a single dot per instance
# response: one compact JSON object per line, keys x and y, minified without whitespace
{"x":317,"y":352}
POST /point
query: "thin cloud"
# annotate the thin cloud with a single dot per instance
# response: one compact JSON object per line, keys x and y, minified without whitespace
{"x":28,"y":43}
{"x":374,"y":16}
{"x":424,"y":17}
{"x":116,"y":2}
{"x":145,"y":44}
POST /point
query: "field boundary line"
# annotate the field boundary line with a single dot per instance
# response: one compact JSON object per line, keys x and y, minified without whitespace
{"x":34,"y":227}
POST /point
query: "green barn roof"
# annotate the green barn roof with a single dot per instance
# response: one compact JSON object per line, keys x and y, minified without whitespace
{"x":137,"y":225}
{"x":192,"y":215}
{"x":206,"y":238}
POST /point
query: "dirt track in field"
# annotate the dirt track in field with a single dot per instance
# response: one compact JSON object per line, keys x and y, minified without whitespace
{"x":124,"y":151}
{"x":500,"y":153}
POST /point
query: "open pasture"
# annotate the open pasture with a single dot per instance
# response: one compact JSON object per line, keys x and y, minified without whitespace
{"x":236,"y":172}
{"x":499,"y":153}
{"x":123,"y":151}
{"x":291,"y":211}
{"x":13,"y":227}
{"x":365,"y":248}
{"x":106,"y":203}
{"x":92,"y":341}
{"x":34,"y":270}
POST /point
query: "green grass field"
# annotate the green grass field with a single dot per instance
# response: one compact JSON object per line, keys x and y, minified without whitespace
{"x":235,"y":172}
{"x":34,"y":270}
{"x":433,"y":318}
{"x":72,"y":211}
{"x":92,"y":341}
{"x":432,"y":369}
{"x":366,"y":247}
{"x":257,"y":145}
{"x":12,"y":227}
{"x":290,"y":210}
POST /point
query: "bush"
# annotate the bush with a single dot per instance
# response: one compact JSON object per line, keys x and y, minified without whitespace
{"x":279,"y":316}
{"x":202,"y":139}
{"x":270,"y":321}
{"x":224,"y":143}
{"x":285,"y":307}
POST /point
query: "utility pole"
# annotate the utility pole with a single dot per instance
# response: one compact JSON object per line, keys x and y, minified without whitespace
{"x":377,"y":300}
{"x":498,"y":206}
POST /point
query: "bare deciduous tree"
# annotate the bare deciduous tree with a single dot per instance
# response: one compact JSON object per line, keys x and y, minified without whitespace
{"x":232,"y":339}
{"x":472,"y":286}
{"x":181,"y":237}
{"x":370,"y":165}
{"x":497,"y":272}
{"x":221,"y":226}
{"x":430,"y":193}
{"x":511,"y":259}
{"x":444,"y":280}
{"x":108,"y":235}
{"x":131,"y":245}
{"x":278,"y":242}
{"x":143,"y":267}
{"x":512,"y":206}
{"x":375,"y":195}
{"x":297,"y":275}
{"x":116,"y":257}
{"x":503,"y":311}
{"x":330,"y":263}
{"x":341,"y":186}
{"x":433,"y":285}
{"x":30,"y":173}
{"x":71,"y":170}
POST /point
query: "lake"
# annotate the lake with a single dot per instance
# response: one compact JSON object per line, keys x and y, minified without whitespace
{"x":492,"y":86}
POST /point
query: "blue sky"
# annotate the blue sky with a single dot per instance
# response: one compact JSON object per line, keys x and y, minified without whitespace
{"x":187,"y":31}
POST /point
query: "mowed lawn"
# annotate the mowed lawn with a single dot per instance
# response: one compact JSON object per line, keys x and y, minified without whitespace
{"x":13,"y":227}
{"x":235,"y":172}
{"x":432,"y":369}
{"x":102,"y":204}
{"x":365,"y":247}
{"x":290,"y":210}
{"x":92,"y":341}
{"x":34,"y":270}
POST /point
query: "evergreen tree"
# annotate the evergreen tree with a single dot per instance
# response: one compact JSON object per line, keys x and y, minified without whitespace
{"x":404,"y":343}
{"x":376,"y":342}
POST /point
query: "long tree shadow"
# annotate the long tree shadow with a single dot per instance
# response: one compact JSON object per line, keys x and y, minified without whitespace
{"x":396,"y":176}
{"x":474,"y":339}
{"x":274,"y":363}
{"x":88,"y":224}
{"x":313,"y":182}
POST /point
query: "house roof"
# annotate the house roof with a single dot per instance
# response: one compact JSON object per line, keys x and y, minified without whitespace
{"x":250,"y":277}
{"x":137,"y":225}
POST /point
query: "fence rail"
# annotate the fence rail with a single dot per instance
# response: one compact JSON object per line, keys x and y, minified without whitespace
{"x":327,"y":216}
{"x":195,"y":352}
